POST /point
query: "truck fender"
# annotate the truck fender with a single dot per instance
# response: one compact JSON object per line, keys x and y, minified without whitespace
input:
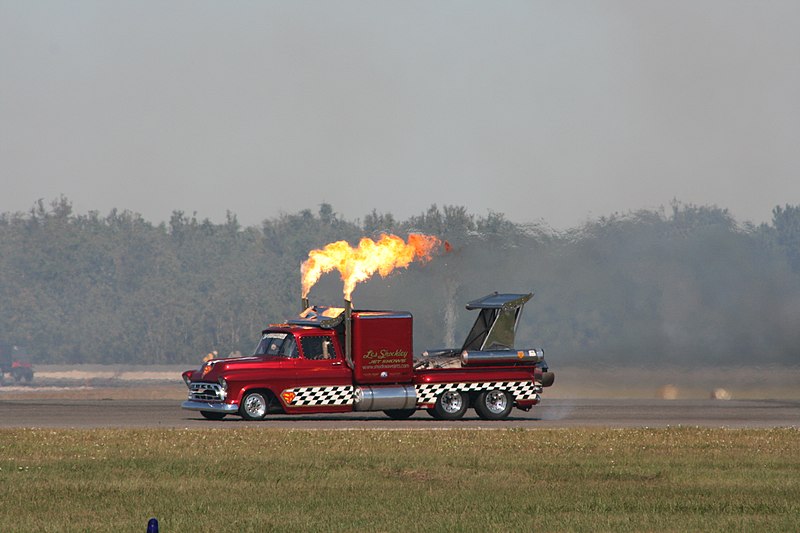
{"x":273,"y":397}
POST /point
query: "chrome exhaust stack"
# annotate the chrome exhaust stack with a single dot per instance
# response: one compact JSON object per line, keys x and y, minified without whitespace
{"x":348,"y":332}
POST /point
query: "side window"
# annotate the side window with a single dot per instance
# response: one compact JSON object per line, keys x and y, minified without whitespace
{"x":318,"y":348}
{"x":289,"y":348}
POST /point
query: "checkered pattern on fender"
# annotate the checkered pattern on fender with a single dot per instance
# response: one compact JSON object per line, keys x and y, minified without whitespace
{"x":337,"y":395}
{"x":521,"y":390}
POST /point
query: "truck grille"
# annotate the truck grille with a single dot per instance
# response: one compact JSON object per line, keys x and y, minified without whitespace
{"x":206,"y":392}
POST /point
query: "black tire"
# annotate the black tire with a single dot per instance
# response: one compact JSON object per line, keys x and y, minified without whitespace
{"x":400,"y":414}
{"x":254,"y":406}
{"x":211,"y":415}
{"x":450,"y":405}
{"x":494,"y":404}
{"x":28,"y":375}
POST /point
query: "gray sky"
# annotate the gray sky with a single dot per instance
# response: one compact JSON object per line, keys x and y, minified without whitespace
{"x":554,"y":111}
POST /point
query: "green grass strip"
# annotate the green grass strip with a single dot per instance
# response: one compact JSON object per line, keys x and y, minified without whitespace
{"x":254,"y":479}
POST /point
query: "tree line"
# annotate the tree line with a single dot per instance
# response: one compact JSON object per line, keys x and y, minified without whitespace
{"x":679,"y":285}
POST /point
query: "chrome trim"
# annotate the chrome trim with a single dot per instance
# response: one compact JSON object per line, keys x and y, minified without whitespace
{"x":214,"y":407}
{"x":207,"y":392}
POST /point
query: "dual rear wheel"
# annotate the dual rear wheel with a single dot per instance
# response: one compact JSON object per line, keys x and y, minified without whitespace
{"x":494,"y":404}
{"x":490,"y":405}
{"x":450,"y":405}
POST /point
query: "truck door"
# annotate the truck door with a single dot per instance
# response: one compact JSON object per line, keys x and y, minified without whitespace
{"x":323,"y":382}
{"x":320,"y":364}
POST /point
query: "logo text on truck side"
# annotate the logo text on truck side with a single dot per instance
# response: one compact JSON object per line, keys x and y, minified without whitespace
{"x":386,"y":357}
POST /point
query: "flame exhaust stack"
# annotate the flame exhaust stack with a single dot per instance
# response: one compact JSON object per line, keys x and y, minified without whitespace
{"x":356,"y":264}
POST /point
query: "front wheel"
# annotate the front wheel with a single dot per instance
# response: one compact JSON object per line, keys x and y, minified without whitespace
{"x":494,"y":404}
{"x":211,"y":415}
{"x":450,"y":405}
{"x":254,"y":406}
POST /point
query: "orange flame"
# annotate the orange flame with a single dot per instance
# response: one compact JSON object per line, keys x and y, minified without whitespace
{"x":360,"y":263}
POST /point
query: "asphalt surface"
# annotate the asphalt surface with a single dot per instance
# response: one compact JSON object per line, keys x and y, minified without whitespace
{"x":562,"y":413}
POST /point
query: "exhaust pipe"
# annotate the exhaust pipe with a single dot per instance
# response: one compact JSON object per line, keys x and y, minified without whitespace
{"x":304,"y":303}
{"x":500,"y":357}
{"x":348,"y":332}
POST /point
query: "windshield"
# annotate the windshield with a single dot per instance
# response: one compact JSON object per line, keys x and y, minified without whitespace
{"x":282,"y":344}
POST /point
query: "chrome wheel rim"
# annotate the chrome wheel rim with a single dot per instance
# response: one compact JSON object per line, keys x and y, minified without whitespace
{"x":255,"y":406}
{"x":496,"y":401}
{"x":452,"y":402}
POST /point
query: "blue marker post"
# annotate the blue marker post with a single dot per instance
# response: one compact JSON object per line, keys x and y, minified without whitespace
{"x":152,"y":526}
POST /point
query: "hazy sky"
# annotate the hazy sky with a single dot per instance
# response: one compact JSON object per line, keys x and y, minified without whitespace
{"x":554,"y":111}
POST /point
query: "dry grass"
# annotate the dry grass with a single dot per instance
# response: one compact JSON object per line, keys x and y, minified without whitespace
{"x":676,"y":479}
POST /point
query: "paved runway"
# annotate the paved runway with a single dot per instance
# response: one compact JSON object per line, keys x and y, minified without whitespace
{"x":550,"y":414}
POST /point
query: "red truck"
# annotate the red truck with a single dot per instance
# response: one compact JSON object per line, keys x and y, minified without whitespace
{"x":340,"y":360}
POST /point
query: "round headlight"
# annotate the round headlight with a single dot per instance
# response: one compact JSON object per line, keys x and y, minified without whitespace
{"x":223,"y":384}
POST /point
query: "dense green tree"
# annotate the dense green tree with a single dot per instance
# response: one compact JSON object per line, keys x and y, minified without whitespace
{"x":786,"y":224}
{"x":686,"y":285}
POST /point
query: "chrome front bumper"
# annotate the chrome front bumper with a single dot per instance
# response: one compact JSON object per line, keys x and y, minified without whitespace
{"x":208,"y":397}
{"x":213,"y":407}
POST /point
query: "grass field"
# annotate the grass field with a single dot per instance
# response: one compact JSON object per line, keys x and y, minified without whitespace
{"x":678,"y":479}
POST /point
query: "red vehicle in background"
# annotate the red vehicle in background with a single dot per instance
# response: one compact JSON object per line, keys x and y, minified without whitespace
{"x":15,"y":362}
{"x":339,"y":360}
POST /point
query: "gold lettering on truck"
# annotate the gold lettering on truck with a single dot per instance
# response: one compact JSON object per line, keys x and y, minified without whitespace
{"x":385,"y":357}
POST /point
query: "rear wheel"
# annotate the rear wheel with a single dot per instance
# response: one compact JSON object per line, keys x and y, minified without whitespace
{"x":450,"y":405}
{"x":494,"y":404}
{"x":400,"y":414}
{"x":254,"y":406}
{"x":211,"y":415}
